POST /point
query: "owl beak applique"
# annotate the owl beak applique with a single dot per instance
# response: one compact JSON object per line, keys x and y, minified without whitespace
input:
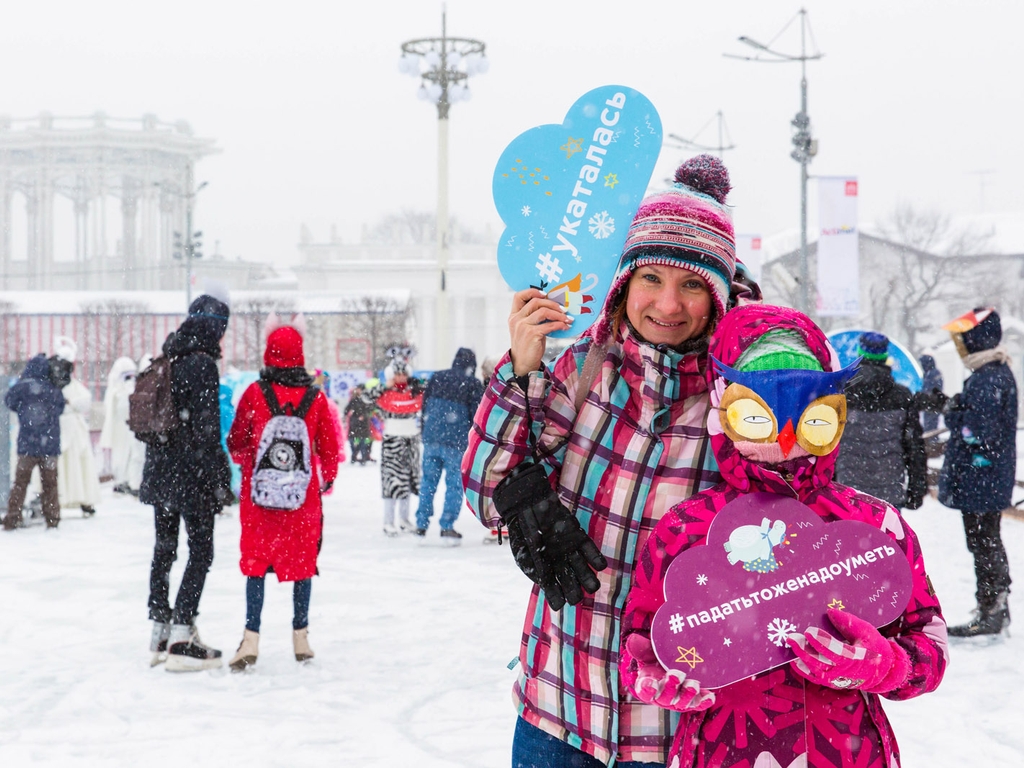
{"x":787,"y":438}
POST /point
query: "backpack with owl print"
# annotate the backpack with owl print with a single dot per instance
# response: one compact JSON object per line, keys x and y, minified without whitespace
{"x":283,"y":468}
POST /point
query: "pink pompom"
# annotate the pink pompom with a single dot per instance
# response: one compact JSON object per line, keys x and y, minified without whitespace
{"x":705,"y":174}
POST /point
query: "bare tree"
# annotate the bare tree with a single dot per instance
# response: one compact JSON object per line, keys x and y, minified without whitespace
{"x":116,"y":328}
{"x":410,"y":227}
{"x":248,"y":318}
{"x":379,"y":320}
{"x":924,"y":267}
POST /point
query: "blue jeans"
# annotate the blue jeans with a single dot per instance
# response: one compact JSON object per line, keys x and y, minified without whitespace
{"x":533,"y":748}
{"x":254,"y":588}
{"x":438,"y":457}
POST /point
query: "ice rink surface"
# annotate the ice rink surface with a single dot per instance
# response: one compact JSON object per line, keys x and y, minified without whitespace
{"x":412,"y":640}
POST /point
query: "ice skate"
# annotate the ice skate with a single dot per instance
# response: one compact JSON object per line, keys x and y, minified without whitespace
{"x":88,"y":511}
{"x":186,"y":652}
{"x":451,"y":537}
{"x":247,"y":652}
{"x":390,"y":531}
{"x":989,"y":619}
{"x":300,"y":641}
{"x":407,"y":526}
{"x":158,"y":642}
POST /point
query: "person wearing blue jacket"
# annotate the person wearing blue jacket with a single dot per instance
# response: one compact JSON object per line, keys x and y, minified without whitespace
{"x":38,"y":404}
{"x":449,"y":405}
{"x":980,"y":463}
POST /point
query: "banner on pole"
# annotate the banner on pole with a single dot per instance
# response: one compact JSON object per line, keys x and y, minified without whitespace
{"x":748,"y":250}
{"x":567,"y":194}
{"x":838,"y":273}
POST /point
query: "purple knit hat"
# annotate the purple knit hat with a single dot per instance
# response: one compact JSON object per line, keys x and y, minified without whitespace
{"x":687,"y":226}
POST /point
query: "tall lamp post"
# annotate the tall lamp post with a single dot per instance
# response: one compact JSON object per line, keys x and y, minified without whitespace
{"x":443,"y":65}
{"x":805,"y":147}
{"x":188,"y":248}
{"x":692,"y":145}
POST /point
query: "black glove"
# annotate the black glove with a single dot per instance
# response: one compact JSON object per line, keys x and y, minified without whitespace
{"x":225,"y":496}
{"x":953,"y":404}
{"x":547,"y":541}
{"x":326,"y":487}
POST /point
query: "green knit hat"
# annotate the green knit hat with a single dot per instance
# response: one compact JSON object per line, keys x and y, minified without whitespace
{"x":778,"y":350}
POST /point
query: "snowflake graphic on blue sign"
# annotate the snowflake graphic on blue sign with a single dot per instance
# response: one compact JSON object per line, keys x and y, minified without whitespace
{"x":601,"y":225}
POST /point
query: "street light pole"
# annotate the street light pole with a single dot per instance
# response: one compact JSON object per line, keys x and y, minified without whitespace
{"x":805,"y":147}
{"x":447,"y":63}
{"x":692,"y":145}
{"x":188,"y":249}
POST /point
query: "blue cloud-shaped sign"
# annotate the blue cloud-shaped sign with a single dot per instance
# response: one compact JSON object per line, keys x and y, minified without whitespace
{"x":905,"y":369}
{"x":568,"y":193}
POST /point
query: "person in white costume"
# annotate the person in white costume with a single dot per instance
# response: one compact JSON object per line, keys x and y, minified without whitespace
{"x":127,"y":455}
{"x":78,"y":483}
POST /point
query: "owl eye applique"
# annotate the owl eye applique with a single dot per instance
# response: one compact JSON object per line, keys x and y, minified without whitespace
{"x":821,"y":425}
{"x":747,"y":417}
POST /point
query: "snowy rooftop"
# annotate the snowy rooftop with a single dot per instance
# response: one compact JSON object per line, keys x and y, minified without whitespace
{"x":1005,"y":233}
{"x":173,"y":302}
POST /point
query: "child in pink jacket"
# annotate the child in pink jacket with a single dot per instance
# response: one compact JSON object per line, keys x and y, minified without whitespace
{"x":822,"y":710}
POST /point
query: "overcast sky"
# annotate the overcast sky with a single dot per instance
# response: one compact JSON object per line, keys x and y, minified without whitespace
{"x":318,"y":126}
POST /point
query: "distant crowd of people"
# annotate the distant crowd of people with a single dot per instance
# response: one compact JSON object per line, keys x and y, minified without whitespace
{"x":165,"y":441}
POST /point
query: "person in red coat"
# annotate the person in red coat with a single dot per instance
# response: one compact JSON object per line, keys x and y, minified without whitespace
{"x":286,"y":472}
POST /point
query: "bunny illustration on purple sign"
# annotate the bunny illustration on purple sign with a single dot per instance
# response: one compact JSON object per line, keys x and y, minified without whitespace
{"x":774,"y":609}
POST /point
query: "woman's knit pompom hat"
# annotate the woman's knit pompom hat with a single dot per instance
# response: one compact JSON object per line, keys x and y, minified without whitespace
{"x":687,"y":226}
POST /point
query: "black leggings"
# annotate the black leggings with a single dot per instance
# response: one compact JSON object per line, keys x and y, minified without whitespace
{"x":990,"y":565}
{"x":199,"y":526}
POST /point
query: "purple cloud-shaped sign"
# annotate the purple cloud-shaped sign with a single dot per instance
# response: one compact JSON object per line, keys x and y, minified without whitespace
{"x":771,"y":567}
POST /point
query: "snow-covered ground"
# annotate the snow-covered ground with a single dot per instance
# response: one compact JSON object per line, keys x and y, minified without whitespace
{"x":412,"y":641}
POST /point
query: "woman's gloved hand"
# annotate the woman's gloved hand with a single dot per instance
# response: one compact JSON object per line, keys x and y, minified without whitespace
{"x":546,"y":539}
{"x":863,"y":659}
{"x":653,"y":684}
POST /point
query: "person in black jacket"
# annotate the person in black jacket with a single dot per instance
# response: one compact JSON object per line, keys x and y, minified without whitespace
{"x":980,"y":464}
{"x":883,"y":448}
{"x":359,"y":411}
{"x":38,"y":404}
{"x":187,"y":477}
{"x":449,"y":406}
{"x":930,"y":400}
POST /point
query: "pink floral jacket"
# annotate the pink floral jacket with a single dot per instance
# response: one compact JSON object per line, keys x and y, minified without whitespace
{"x":779,"y":712}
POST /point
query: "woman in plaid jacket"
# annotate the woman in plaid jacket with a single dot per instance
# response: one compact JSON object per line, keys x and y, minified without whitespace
{"x":635,"y":445}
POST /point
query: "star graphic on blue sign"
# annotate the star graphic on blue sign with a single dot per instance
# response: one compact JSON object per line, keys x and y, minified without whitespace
{"x":572,"y":146}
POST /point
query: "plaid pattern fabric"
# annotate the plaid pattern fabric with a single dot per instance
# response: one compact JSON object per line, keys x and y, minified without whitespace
{"x":637,"y":446}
